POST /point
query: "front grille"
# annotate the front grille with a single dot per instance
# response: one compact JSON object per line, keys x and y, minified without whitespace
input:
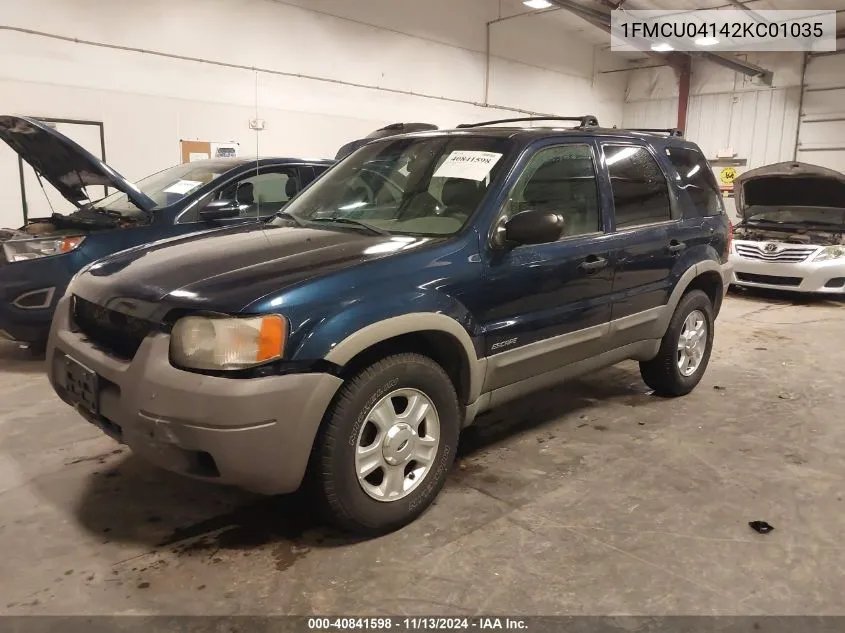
{"x":112,"y":331}
{"x":786,"y":254}
{"x":769,"y":279}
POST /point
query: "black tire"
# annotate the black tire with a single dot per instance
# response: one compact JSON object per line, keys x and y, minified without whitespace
{"x":662,"y":373}
{"x":332,"y":473}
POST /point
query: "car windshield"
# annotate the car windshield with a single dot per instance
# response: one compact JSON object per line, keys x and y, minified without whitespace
{"x":167,"y":186}
{"x":416,"y":186}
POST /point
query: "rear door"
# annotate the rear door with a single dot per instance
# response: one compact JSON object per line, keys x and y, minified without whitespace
{"x":645,"y":229}
{"x":547,"y":305}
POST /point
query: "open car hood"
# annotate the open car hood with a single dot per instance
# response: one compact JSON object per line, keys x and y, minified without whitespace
{"x":789,"y":185}
{"x":63,"y":163}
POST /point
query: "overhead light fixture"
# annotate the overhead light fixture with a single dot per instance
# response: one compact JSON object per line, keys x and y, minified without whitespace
{"x":620,"y":155}
{"x":662,"y":47}
{"x":537,"y":4}
{"x":706,"y":41}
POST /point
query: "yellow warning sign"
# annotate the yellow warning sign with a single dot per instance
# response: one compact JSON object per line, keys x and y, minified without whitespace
{"x":728,"y":175}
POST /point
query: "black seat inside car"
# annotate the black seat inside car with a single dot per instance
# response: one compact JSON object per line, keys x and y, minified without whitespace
{"x":245,"y":193}
{"x":291,"y":188}
{"x":461,"y":195}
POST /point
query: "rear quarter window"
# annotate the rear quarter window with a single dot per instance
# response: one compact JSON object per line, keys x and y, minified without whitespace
{"x":696,"y":179}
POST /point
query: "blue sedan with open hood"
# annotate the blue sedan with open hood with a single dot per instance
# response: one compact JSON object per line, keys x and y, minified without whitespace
{"x":39,"y":259}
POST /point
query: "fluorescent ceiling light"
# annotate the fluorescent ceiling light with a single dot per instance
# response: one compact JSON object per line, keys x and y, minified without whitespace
{"x":706,"y":41}
{"x":537,"y":4}
{"x":662,"y":47}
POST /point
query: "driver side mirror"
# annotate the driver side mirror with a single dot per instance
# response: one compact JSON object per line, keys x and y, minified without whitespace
{"x":220,"y":210}
{"x":530,"y":227}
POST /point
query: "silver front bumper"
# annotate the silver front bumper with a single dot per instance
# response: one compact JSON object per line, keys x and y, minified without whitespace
{"x":804,"y":276}
{"x":258,"y":432}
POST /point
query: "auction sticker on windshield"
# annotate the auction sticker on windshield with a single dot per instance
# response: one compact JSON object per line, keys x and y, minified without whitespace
{"x":183,"y":186}
{"x":468,"y":165}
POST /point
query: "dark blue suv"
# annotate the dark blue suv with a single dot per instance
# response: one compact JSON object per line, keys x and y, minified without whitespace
{"x":37,"y":261}
{"x":422,"y":280}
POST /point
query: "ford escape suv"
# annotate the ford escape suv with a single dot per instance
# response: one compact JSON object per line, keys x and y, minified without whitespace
{"x":422,"y":280}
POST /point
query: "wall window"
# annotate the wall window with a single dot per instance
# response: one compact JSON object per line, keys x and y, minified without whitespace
{"x":697,"y":179}
{"x":560,"y":179}
{"x":640,"y":191}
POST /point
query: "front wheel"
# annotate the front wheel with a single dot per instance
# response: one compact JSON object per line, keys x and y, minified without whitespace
{"x":684,"y":350}
{"x":387,"y":444}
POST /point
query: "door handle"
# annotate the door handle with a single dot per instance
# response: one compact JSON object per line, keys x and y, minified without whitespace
{"x":592,"y":264}
{"x":676,"y":247}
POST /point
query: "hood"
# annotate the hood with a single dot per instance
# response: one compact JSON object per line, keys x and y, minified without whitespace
{"x":227,"y":269}
{"x":63,"y":163}
{"x":790,"y":185}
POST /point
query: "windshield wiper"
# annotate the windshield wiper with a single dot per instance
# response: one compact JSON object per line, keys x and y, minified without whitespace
{"x":373,"y":229}
{"x":281,"y":213}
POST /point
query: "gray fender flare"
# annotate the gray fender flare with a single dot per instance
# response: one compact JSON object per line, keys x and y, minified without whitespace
{"x":683,"y":283}
{"x":380,"y":331}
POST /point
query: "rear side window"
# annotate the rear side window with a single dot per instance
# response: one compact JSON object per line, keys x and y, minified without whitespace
{"x":696,"y":178}
{"x":640,"y":191}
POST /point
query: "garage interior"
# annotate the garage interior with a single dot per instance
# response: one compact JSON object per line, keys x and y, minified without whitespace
{"x":593,"y":498}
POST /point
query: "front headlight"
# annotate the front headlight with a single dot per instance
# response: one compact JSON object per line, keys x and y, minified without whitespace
{"x":829,"y":252}
{"x":225,"y":343}
{"x":22,"y":250}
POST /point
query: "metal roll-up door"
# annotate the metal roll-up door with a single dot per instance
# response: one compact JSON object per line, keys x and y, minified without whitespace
{"x":821,"y":135}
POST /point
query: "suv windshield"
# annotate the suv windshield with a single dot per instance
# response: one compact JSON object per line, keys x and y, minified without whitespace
{"x":418,"y":186}
{"x":167,"y":186}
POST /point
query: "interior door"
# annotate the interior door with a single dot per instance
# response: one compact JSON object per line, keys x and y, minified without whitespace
{"x":547,"y":305}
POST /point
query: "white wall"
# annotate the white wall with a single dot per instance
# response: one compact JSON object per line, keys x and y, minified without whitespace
{"x":317,"y":79}
{"x":822,"y":134}
{"x":726,"y":109}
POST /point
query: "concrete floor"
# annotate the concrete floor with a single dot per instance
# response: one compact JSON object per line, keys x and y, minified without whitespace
{"x":593,"y":498}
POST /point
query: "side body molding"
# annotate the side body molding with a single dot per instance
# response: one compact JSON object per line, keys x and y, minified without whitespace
{"x":380,"y":331}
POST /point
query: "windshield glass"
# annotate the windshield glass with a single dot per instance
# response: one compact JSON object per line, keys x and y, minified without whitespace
{"x":417,"y":186}
{"x":817,"y":216}
{"x":168,"y":186}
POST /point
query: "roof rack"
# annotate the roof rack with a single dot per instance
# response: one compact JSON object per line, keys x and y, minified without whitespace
{"x":669,"y":131}
{"x":584,"y":121}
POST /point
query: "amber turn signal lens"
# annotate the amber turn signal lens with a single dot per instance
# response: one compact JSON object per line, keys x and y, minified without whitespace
{"x":70,"y":243}
{"x":271,"y":338}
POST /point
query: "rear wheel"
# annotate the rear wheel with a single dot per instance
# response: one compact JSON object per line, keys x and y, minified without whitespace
{"x":387,"y":444}
{"x":685,"y":348}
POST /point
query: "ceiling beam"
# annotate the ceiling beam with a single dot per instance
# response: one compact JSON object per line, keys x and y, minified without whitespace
{"x":601,"y":19}
{"x":739,"y":65}
{"x":749,"y":11}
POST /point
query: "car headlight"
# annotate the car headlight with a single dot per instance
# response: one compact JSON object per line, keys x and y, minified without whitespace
{"x":829,"y":252}
{"x":22,"y":250}
{"x":227,"y":343}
